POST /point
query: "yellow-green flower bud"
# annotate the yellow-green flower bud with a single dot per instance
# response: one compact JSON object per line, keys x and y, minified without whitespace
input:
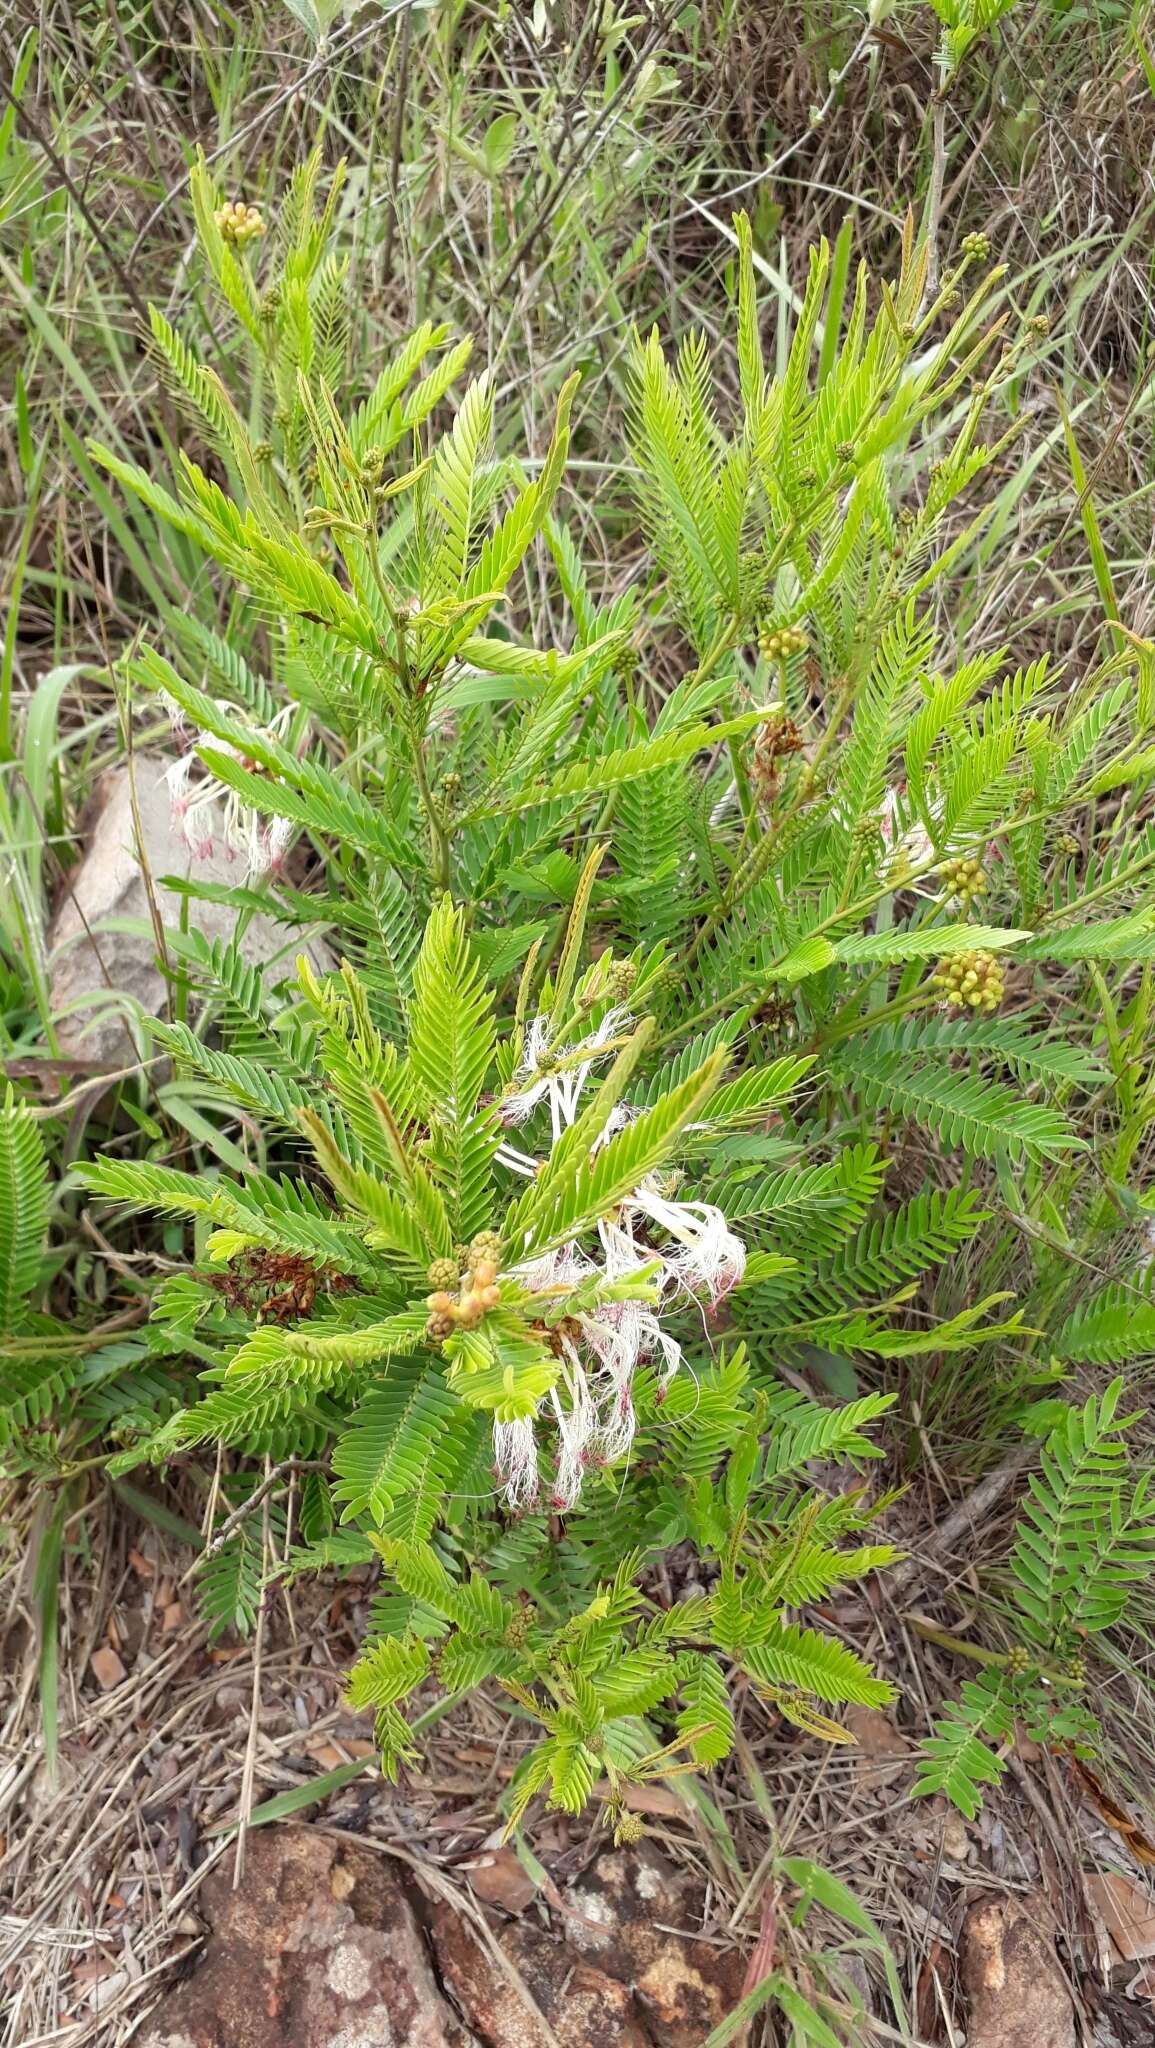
{"x":973,"y":981}
{"x":238,"y":223}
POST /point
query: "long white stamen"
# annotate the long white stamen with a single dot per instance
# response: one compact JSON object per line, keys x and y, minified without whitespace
{"x":207,"y":810}
{"x":515,"y":1456}
{"x":711,"y":1257}
{"x":562,"y":1085}
{"x":517,"y":1162}
{"x":591,"y":1403}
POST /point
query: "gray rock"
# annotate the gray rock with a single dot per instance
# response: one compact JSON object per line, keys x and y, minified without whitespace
{"x":102,"y":945}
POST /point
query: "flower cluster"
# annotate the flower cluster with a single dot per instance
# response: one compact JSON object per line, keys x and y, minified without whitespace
{"x":972,"y":981}
{"x":475,"y":1293}
{"x":555,"y":1075}
{"x":239,"y":223}
{"x":778,"y":643}
{"x":653,"y":1252}
{"x":207,"y":813}
{"x":963,"y":879}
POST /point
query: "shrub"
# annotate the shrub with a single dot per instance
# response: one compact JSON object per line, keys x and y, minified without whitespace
{"x":694,"y":945}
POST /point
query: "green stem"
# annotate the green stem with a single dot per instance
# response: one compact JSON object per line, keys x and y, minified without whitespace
{"x":900,"y":1006}
{"x":438,"y":836}
{"x":751,"y":869}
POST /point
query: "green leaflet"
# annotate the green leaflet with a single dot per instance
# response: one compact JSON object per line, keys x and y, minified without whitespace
{"x":23,"y":1209}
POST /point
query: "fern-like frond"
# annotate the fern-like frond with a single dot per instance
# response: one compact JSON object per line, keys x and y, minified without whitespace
{"x":23,"y":1208}
{"x":393,"y":1452}
{"x":705,"y":1717}
{"x":964,"y":1110}
{"x":1108,"y":1327}
{"x":1084,"y":1536}
{"x":956,"y":1761}
{"x":803,"y":1661}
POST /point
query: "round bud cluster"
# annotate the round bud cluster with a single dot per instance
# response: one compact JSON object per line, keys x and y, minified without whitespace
{"x":515,"y":1634}
{"x":972,"y":981}
{"x":478,"y":1293}
{"x":443,"y":1273}
{"x":239,"y":223}
{"x":845,"y":451}
{"x":628,"y":1828}
{"x":620,"y":980}
{"x":451,"y":786}
{"x":1039,"y":326}
{"x":1019,"y":1660}
{"x":441,"y":1322}
{"x":778,"y":643}
{"x":978,"y":247}
{"x":485,"y":1249}
{"x":963,"y":879}
{"x":1077,"y":1668}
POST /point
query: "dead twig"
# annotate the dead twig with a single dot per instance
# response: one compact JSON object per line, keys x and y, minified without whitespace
{"x":960,"y":1524}
{"x":249,"y":1506}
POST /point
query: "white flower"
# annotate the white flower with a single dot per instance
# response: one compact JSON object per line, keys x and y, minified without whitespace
{"x":515,"y":1456}
{"x":557,"y":1076}
{"x":207,"y":812}
{"x":591,"y":1403}
{"x":577,"y":1431}
{"x":709,"y":1258}
{"x":557,"y":1271}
